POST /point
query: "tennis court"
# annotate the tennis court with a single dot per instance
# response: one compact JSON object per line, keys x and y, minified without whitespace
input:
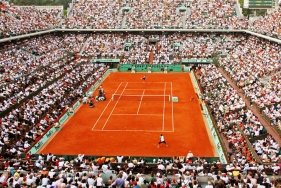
{"x":144,"y":103}
{"x":132,"y":118}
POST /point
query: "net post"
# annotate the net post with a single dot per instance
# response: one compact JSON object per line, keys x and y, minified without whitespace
{"x":133,"y":69}
{"x":148,"y":69}
{"x":169,"y":98}
{"x":165,"y":69}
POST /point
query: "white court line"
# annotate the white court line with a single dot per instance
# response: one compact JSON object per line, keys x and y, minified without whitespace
{"x":140,"y":101}
{"x":146,"y":82}
{"x":173,"y":125}
{"x":163,"y":124}
{"x":145,"y":89}
{"x":137,"y":114}
{"x":140,"y":95}
{"x":158,"y":131}
{"x":114,"y":106}
{"x":106,"y":107}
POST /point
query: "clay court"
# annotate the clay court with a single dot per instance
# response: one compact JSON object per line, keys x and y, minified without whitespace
{"x":132,"y":118}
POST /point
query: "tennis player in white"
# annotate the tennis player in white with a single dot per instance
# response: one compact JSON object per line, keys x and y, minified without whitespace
{"x":162,"y":141}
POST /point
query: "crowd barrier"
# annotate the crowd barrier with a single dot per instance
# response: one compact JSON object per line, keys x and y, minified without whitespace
{"x":210,"y":126}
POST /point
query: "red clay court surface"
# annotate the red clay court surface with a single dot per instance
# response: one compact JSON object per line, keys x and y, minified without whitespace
{"x":131,"y":123}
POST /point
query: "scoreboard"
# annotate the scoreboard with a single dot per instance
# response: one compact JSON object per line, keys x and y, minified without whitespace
{"x":258,"y":4}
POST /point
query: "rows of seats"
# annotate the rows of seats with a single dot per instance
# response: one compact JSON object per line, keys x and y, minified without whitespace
{"x":48,"y":57}
{"x":16,"y":20}
{"x":158,"y":49}
{"x":214,"y":14}
{"x":153,"y":14}
{"x":25,"y":124}
{"x":49,"y":49}
{"x":273,"y":111}
{"x":132,"y":14}
{"x":82,"y":171}
{"x":95,"y":14}
{"x":41,"y":64}
{"x":234,"y":120}
{"x":31,"y":64}
{"x":268,"y":25}
{"x":252,"y":65}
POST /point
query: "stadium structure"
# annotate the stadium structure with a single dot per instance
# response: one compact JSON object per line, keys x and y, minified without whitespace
{"x":85,"y":97}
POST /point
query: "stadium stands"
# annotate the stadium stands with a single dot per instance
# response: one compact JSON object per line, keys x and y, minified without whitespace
{"x":252,"y":64}
{"x":162,"y":51}
{"x":234,"y":120}
{"x":31,"y":69}
{"x":55,"y":52}
{"x":95,"y":14}
{"x":24,"y":125}
{"x":42,"y":76}
{"x":25,"y":64}
{"x":268,"y":25}
{"x":81,"y":171}
{"x":108,"y":14}
{"x":214,"y":14}
{"x":154,"y":14}
{"x":16,"y":20}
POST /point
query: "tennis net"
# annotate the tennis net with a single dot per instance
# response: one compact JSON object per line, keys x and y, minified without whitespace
{"x":116,"y":97}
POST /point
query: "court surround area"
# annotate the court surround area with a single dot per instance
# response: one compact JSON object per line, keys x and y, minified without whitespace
{"x":132,"y":118}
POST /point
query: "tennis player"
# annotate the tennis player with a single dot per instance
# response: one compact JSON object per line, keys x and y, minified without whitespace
{"x":162,"y":141}
{"x":143,"y":78}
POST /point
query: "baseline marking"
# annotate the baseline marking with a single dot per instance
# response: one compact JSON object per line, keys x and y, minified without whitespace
{"x":163,"y":124}
{"x":114,"y":106}
{"x":140,"y":95}
{"x":106,"y":107}
{"x":158,"y":131}
{"x":145,"y":89}
{"x":173,"y":126}
{"x":141,"y":101}
{"x":137,"y":115}
{"x":147,"y":82}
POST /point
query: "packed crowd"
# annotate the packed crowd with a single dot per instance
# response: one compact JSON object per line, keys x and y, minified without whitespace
{"x":234,"y":120}
{"x":54,"y":171}
{"x":48,"y":43}
{"x":41,"y":64}
{"x":269,"y":24}
{"x":154,"y":14}
{"x":15,"y":20}
{"x":248,"y":64}
{"x":95,"y":14}
{"x":215,"y":14}
{"x":273,"y":111}
{"x":158,"y":49}
{"x":132,"y":14}
{"x":24,"y":85}
{"x":25,"y":124}
{"x":31,"y":64}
